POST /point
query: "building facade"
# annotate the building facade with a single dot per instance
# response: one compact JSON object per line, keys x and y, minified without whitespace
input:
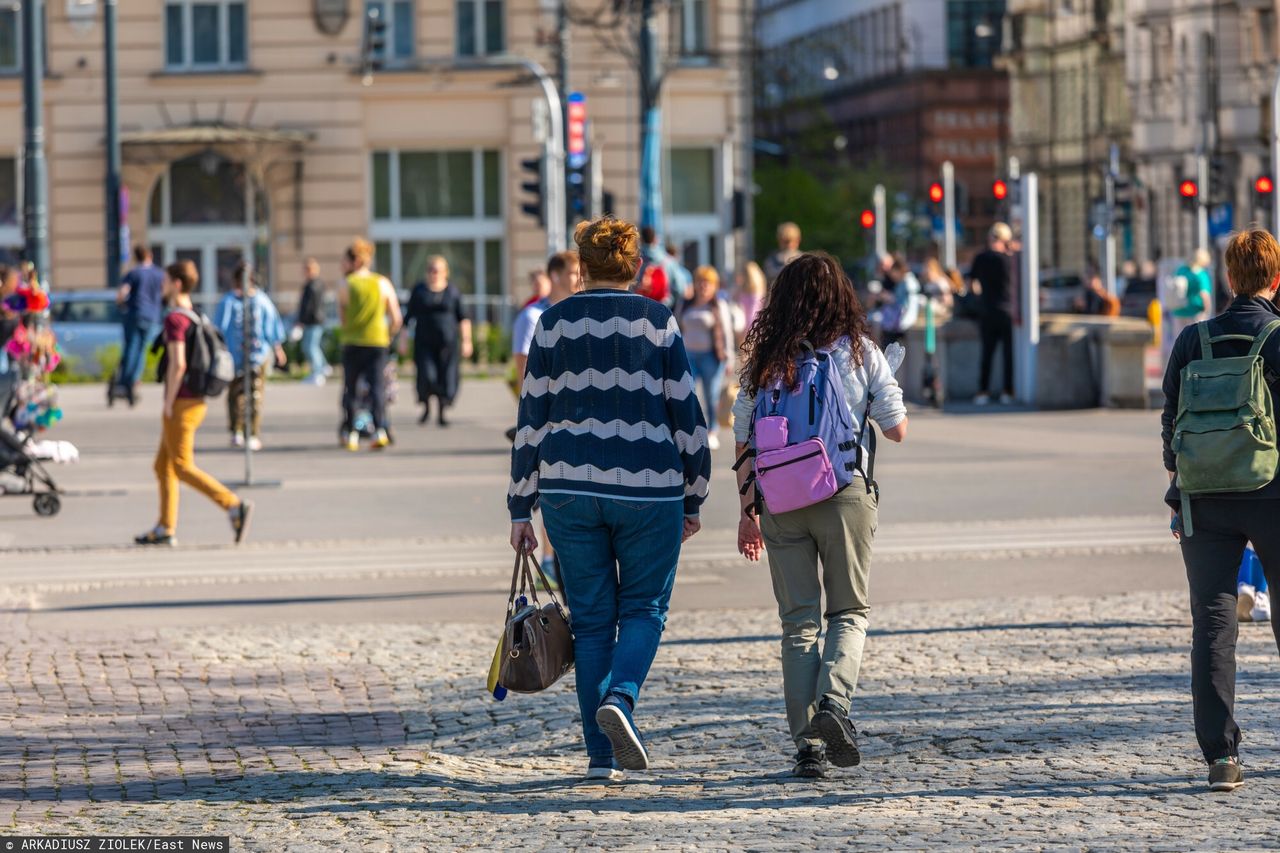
{"x":248,"y":131}
{"x":1068,"y":106}
{"x":1200,"y":78}
{"x":902,"y":84}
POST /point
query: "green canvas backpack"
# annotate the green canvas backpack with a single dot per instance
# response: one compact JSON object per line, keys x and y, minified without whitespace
{"x":1224,"y":436}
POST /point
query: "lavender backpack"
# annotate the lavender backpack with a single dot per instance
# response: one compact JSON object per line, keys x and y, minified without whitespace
{"x":802,"y":438}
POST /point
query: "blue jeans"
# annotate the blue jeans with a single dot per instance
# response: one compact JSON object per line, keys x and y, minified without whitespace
{"x":138,"y":334}
{"x":708,"y":372}
{"x":618,"y":566}
{"x":312,"y":350}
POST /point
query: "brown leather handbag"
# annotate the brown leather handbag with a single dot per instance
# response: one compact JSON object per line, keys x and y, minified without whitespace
{"x":537,"y":642}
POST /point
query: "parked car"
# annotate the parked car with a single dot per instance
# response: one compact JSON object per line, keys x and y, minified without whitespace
{"x":1060,"y":291}
{"x":86,"y":322}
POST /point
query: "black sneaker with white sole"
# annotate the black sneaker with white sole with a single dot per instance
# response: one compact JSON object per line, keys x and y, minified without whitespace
{"x":614,"y":719}
{"x":1225,"y":774}
{"x":156,"y":537}
{"x":240,"y":518}
{"x":838,"y":733}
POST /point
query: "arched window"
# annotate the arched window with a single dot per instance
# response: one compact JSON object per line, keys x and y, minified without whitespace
{"x":204,"y":189}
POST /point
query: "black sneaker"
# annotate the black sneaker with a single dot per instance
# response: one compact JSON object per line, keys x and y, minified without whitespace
{"x":811,"y":763}
{"x":240,"y":518}
{"x":155,"y":537}
{"x":838,"y":733}
{"x":1225,"y":774}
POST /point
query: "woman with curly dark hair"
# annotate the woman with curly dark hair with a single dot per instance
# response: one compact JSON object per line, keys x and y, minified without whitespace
{"x":813,"y":309}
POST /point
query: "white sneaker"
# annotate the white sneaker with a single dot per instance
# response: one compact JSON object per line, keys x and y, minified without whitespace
{"x":604,"y":774}
{"x":1245,"y":596}
{"x":1006,"y":400}
{"x":237,"y":439}
{"x":713,"y":441}
{"x":1261,"y":607}
{"x":982,"y":400}
{"x":352,"y":442}
{"x":255,"y":443}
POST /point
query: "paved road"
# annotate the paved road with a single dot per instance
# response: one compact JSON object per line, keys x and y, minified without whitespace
{"x":997,"y":504}
{"x":1022,"y":724}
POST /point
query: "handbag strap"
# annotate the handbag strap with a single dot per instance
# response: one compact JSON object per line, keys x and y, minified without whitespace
{"x":546,"y":584}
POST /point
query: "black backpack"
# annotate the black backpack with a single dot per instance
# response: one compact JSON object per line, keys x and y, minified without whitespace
{"x":210,"y":367}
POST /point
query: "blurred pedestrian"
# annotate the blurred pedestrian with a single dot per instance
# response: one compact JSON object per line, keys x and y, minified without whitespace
{"x":749,"y":294}
{"x":1214,"y":528}
{"x":441,"y":338}
{"x":824,"y":548}
{"x":613,"y":447}
{"x":369,"y":314}
{"x":9,"y":322}
{"x":141,"y":300}
{"x":1253,"y":601}
{"x":939,"y":286}
{"x":1193,"y":292}
{"x":657,"y":279}
{"x":539,"y":288}
{"x":904,"y":311}
{"x":184,"y":411}
{"x":707,"y":326}
{"x":1096,"y":301}
{"x":682,"y":281}
{"x":991,"y":277}
{"x":311,"y":317}
{"x":788,"y":249}
{"x":264,"y":349}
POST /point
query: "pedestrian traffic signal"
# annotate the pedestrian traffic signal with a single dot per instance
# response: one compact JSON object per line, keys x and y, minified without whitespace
{"x":1000,"y":190}
{"x":373,"y":46}
{"x":1189,"y":190}
{"x":868,"y":219}
{"x":535,"y":204}
{"x":576,"y":179}
{"x":935,"y":193}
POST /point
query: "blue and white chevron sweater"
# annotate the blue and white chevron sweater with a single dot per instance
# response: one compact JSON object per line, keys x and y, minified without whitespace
{"x":608,"y":407}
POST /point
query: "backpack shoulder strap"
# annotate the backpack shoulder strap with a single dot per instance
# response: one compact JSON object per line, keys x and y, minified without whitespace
{"x":1263,"y":336}
{"x":1206,"y":342}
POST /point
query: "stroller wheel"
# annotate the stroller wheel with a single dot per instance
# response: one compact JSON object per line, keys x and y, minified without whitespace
{"x":47,"y":505}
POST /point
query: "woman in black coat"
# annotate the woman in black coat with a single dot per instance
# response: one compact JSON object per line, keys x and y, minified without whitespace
{"x":441,"y":338}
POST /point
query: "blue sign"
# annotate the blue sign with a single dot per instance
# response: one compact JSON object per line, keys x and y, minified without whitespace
{"x":1221,"y":219}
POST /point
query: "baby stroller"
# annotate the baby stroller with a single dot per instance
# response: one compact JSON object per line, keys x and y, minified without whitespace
{"x":23,"y":474}
{"x":363,"y":421}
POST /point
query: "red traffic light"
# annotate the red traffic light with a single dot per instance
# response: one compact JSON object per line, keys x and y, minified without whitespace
{"x":1188,"y":189}
{"x":1000,"y":190}
{"x":935,"y":193}
{"x":1264,"y":185}
{"x":868,"y":219}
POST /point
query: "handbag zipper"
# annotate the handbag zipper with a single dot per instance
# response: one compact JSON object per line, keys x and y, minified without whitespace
{"x":791,"y":461}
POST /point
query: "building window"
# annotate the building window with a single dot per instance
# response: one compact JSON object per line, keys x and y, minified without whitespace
{"x":481,"y":27}
{"x":398,"y":15}
{"x":692,"y":186}
{"x":974,"y":32}
{"x":205,"y":34}
{"x":690,"y":27}
{"x":449,"y":203}
{"x":10,"y":42}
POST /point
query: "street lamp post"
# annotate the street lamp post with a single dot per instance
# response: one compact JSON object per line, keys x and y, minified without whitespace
{"x":35,"y":209}
{"x":113,"y":142}
{"x":1275,"y":153}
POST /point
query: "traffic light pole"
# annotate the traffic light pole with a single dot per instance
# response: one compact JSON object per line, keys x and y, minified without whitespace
{"x":949,"y":214}
{"x":1109,"y":242}
{"x":113,"y":143}
{"x":35,"y":205}
{"x":1275,"y":154}
{"x":882,"y":232}
{"x":1029,"y":331}
{"x":1202,"y":200}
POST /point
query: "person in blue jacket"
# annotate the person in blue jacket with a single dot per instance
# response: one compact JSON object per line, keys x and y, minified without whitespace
{"x":266,"y":336}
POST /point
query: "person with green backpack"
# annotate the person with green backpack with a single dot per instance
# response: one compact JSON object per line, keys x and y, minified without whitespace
{"x":1219,"y":433}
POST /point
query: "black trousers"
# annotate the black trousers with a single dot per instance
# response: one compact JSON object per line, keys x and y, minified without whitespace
{"x":1212,"y":556}
{"x":997,"y":328}
{"x":371,"y":364}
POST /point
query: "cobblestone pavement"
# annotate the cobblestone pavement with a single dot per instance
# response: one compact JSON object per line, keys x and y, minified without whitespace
{"x":1021,"y":724}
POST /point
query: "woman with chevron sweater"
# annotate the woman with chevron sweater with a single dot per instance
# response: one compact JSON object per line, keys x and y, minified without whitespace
{"x":612,"y":444}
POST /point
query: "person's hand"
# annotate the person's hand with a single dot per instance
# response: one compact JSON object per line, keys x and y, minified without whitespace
{"x":691,"y":526}
{"x":523,"y":538}
{"x":750,"y":542}
{"x":168,"y":409}
{"x":467,"y":349}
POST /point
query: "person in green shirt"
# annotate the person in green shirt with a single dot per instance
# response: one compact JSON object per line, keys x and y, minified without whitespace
{"x":369,"y":311}
{"x":1199,"y":288}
